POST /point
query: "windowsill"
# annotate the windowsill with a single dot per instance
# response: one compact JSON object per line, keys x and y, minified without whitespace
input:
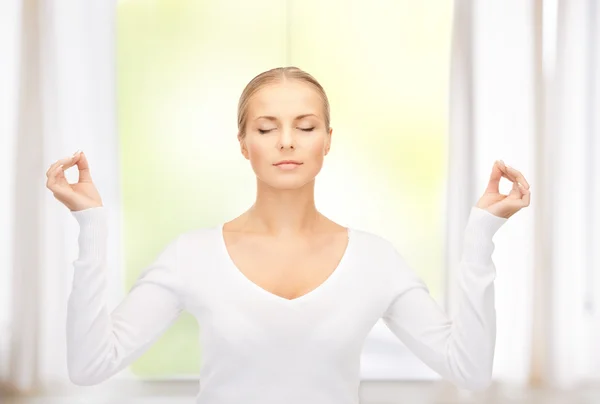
{"x":120,"y":388}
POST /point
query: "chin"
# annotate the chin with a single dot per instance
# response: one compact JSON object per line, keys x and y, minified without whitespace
{"x":287,"y":182}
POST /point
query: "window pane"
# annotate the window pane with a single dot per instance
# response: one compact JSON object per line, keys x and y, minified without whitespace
{"x":181,"y":68}
{"x":385,"y":66}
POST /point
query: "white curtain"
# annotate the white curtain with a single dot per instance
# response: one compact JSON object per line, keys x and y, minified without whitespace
{"x":62,"y":100}
{"x":573,"y":196}
{"x":491,"y":117}
{"x":9,"y":40}
{"x":525,"y":84}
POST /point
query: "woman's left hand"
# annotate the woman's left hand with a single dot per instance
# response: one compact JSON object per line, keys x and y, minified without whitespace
{"x":505,"y":205}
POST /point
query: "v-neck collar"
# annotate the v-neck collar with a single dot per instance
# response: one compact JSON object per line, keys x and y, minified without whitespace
{"x":328,"y":282}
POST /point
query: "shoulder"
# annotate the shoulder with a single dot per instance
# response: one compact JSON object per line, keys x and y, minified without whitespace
{"x":381,"y":254}
{"x":368,"y":241}
{"x":195,"y":251}
{"x":204,"y":238}
{"x":373,"y":250}
{"x":188,"y":244}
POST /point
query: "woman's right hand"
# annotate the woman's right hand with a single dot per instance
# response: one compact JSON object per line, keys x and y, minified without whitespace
{"x":80,"y":195}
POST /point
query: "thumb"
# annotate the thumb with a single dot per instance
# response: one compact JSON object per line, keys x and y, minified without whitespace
{"x":515,"y":192}
{"x":495,"y":177}
{"x":84,"y":169}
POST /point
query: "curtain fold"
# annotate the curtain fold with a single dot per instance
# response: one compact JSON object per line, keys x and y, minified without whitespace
{"x":24,"y":313}
{"x":65,"y":100}
{"x":571,"y":202}
{"x":491,"y":117}
{"x":10,"y":37}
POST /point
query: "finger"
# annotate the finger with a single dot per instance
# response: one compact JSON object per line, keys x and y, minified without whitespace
{"x":518,"y":176}
{"x":84,"y":168}
{"x":505,"y":172}
{"x":495,"y":177}
{"x":53,"y":167}
{"x":71,"y":161}
{"x":516,"y":191}
{"x":526,"y":199}
{"x":66,"y":162}
{"x":56,"y":180}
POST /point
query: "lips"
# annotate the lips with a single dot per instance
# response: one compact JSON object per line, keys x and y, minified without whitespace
{"x":288,"y":162}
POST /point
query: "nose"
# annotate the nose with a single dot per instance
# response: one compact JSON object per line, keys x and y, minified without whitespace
{"x":286,"y":140}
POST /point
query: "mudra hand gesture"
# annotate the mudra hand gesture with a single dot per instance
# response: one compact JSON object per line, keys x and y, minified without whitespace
{"x":505,"y":205}
{"x":80,"y":195}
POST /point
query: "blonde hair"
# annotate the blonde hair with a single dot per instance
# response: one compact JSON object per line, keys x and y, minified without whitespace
{"x":278,"y":74}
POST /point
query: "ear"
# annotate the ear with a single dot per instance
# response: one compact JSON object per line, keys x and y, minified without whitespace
{"x":243,"y":147}
{"x":328,"y":141}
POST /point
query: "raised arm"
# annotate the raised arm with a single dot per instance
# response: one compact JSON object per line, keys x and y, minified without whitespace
{"x":460,"y":349}
{"x":101,"y":343}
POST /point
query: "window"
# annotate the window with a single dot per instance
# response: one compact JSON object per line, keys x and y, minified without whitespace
{"x":181,"y":69}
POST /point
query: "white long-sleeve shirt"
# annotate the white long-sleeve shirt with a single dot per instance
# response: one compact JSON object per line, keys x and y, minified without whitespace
{"x":259,"y":348}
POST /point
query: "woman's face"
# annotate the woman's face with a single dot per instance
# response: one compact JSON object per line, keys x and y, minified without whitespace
{"x":286,"y":123}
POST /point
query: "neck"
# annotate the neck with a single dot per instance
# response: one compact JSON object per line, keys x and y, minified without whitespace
{"x":283,"y":212}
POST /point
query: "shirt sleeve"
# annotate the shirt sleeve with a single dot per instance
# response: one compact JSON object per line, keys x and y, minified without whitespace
{"x":460,"y":349}
{"x":100,"y":343}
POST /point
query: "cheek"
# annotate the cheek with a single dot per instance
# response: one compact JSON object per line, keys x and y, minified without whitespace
{"x":256,"y":152}
{"x":317,"y":148}
{"x":259,"y":156}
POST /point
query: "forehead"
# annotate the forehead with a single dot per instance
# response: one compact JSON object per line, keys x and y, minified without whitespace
{"x":285,"y":98}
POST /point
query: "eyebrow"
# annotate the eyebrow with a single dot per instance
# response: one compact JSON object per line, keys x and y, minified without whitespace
{"x":272,"y":118}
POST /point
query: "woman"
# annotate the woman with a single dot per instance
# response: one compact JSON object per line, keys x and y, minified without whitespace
{"x":284,"y":296}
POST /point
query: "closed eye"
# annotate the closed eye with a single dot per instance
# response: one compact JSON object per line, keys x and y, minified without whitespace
{"x":263,"y":131}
